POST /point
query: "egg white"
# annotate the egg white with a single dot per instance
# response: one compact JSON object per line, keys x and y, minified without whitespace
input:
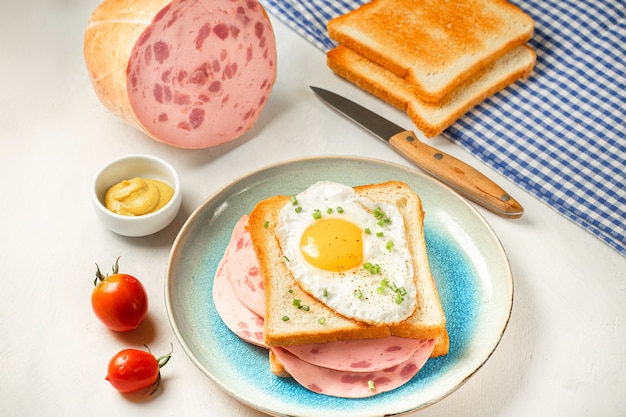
{"x":355,"y":293}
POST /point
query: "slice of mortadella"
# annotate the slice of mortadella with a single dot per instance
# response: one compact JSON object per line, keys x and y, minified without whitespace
{"x":353,"y":384}
{"x":237,"y":317}
{"x":358,"y":355}
{"x":190,"y":73}
{"x":243,"y":269}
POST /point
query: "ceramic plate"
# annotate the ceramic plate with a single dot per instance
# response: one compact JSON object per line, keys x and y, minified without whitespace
{"x":466,"y":259}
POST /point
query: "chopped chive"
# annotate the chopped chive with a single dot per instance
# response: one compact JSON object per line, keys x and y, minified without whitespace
{"x":339,"y":209}
{"x":398,"y":298}
{"x":321,"y":320}
{"x":393,"y":287}
{"x":379,"y":234}
{"x":380,"y":215}
{"x":285,"y":318}
{"x":286,"y":259}
{"x":380,"y":290}
{"x":325,"y":292}
{"x":298,"y":209}
{"x":373,"y":269}
{"x":290,"y":290}
{"x":293,"y":200}
{"x":358,"y":294}
{"x":329,"y":210}
{"x":389,"y":245}
{"x":298,"y":303}
{"x":384,"y":282}
{"x":367,"y":231}
{"x":266,"y":224}
{"x":402,"y":291}
{"x":371,"y":385}
{"x":317,"y":214}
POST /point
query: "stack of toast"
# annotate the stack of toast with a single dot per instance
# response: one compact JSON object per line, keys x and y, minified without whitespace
{"x":433,"y":59}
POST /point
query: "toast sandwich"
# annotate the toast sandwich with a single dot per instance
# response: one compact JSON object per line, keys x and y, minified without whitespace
{"x":427,"y":321}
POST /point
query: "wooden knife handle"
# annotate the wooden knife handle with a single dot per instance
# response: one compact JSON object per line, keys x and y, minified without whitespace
{"x":461,"y":177}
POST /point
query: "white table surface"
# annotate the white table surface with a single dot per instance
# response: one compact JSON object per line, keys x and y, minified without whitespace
{"x":563,"y":353}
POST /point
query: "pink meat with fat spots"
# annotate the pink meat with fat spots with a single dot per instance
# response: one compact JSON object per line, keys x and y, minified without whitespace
{"x":202,"y":71}
{"x":353,"y":384}
{"x":358,"y":355}
{"x":243,"y":269}
{"x":235,"y":315}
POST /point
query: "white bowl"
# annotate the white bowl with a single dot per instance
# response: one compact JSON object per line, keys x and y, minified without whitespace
{"x":127,"y":167}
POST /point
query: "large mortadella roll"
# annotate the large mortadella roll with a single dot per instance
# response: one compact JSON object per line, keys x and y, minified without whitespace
{"x":190,"y":73}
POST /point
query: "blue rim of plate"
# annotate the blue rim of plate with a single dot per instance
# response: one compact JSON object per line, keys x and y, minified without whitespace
{"x":467,"y":261}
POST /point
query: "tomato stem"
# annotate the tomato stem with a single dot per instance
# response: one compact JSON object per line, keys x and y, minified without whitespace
{"x":100,"y":277}
{"x":116,"y":267}
{"x":161,"y":361}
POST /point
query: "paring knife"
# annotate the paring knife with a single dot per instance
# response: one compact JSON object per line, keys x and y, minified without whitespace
{"x":459,"y":176}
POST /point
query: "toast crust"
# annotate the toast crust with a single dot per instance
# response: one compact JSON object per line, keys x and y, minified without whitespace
{"x":427,"y":322}
{"x":434,"y":45}
{"x":431,"y":118}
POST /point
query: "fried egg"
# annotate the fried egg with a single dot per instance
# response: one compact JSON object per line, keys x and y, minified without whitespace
{"x":349,"y":252}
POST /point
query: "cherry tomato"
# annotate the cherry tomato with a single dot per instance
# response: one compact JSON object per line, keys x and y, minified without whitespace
{"x":119,"y":300}
{"x":133,"y":370}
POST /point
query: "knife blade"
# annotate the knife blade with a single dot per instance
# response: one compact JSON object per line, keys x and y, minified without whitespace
{"x":461,"y":177}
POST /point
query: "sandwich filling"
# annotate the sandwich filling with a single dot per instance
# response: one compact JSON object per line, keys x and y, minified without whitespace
{"x":349,"y":253}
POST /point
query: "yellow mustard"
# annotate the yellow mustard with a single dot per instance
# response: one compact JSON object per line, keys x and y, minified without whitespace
{"x":137,"y":196}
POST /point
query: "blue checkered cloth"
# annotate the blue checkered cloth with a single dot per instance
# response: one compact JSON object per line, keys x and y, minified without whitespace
{"x":561,"y":135}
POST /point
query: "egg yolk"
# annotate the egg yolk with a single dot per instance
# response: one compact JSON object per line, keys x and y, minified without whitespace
{"x":333,"y":245}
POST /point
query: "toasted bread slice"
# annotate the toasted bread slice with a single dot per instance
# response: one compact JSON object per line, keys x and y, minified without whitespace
{"x":427,"y":322}
{"x":431,"y":118}
{"x":435,"y":45}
